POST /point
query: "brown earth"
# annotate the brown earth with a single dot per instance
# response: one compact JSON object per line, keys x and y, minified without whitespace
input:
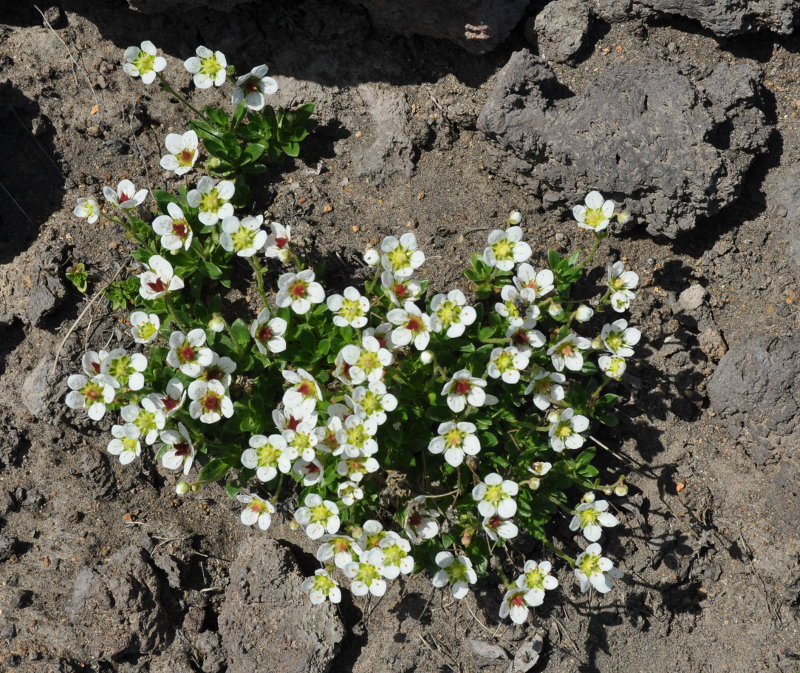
{"x":103,"y":569}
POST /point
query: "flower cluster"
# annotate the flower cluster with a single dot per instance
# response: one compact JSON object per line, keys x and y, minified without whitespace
{"x":418,"y":429}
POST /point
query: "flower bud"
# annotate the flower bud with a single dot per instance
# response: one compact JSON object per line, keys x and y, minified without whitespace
{"x":196,"y":486}
{"x":466,"y":536}
{"x":597,"y":343}
{"x":426,"y":357}
{"x":371,"y":257}
{"x":621,"y":490}
{"x":356,"y":532}
{"x":293,"y":525}
{"x":514,"y":217}
{"x":182,"y":488}
{"x":583,"y":313}
{"x":217,"y":323}
{"x":555,"y":310}
{"x":623,"y":217}
{"x":588,"y":497}
{"x":607,"y":491}
{"x":534,"y":483}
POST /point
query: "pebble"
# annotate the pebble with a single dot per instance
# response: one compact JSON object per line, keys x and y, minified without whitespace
{"x":692,"y":297}
{"x":560,"y":237}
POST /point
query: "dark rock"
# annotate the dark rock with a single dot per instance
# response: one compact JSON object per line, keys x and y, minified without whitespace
{"x":642,"y":132}
{"x":37,"y":389}
{"x":96,"y":470}
{"x":209,"y":646}
{"x":477,"y":25}
{"x":160,"y":6}
{"x":7,"y":545}
{"x":396,"y":139}
{"x":722,"y":17}
{"x":561,"y":29}
{"x":784,"y":197}
{"x":266,"y":622}
{"x":755,"y":391}
{"x":118,"y":608}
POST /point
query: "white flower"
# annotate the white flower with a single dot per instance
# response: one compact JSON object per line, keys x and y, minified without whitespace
{"x":326,"y":435}
{"x":515,"y":604}
{"x":591,"y":517}
{"x":355,"y":364}
{"x":172,"y":399}
{"x":593,"y":569}
{"x":126,"y":196}
{"x":419,"y":523}
{"x":372,"y":533}
{"x":514,"y":217}
{"x":217,"y":323}
{"x":449,"y":313}
{"x":175,"y":231}
{"x":92,"y":362}
{"x":209,"y":401}
{"x":211,"y":199}
{"x":583,"y":313}
{"x":456,"y":572}
{"x":372,"y":257}
{"x":182,"y":150}
{"x":252,"y":88}
{"x":221,"y":369}
{"x":456,"y":440}
{"x":355,"y":468}
{"x":373,"y":402}
{"x":356,"y":438}
{"x":536,"y":579}
{"x":181,"y":450}
{"x":565,"y":429}
{"x":188,"y":353}
{"x":612,"y":366}
{"x":523,"y":337}
{"x":257,"y":511}
{"x":527,"y":278}
{"x":499,"y":528}
{"x":620,"y":279}
{"x":349,"y":492}
{"x":506,"y":248}
{"x":318,"y":516}
{"x":303,"y":439}
{"x":546,"y":388}
{"x":618,"y":338}
{"x":513,"y":303}
{"x":309,"y":470}
{"x":268,"y":334}
{"x":90,"y":393}
{"x":349,"y":309}
{"x":412,"y":325}
{"x":144,"y":326}
{"x":340,"y":548}
{"x":147,"y":418}
{"x":125,"y":444}
{"x":300,"y":291}
{"x":596,"y":214}
{"x":304,"y":393}
{"x":366,"y":574}
{"x":396,"y":558}
{"x":400,"y":290}
{"x":245,"y":237}
{"x":463,"y":389}
{"x":426,"y":357}
{"x":87,"y":209}
{"x":278,"y":241}
{"x":158,"y":279}
{"x":494,"y":495}
{"x":142,"y":62}
{"x":621,"y":301}
{"x":567,"y":352}
{"x":267,"y":455}
{"x":539,"y":469}
{"x":320,"y":587}
{"x":208,"y":68}
{"x":400,"y":256}
{"x":125,"y":369}
{"x":507,"y":363}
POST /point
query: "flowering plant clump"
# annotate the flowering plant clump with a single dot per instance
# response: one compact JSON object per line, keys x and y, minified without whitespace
{"x":481,"y":398}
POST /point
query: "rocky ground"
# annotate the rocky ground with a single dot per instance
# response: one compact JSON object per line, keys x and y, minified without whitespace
{"x":439,"y":122}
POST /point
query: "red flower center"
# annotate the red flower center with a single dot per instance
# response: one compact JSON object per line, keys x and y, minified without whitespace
{"x":400,"y":290}
{"x":312,"y":468}
{"x":182,"y":449}
{"x":462,"y":387}
{"x":96,"y":367}
{"x":93,"y":394}
{"x":567,"y":350}
{"x":169,"y":403}
{"x":495,"y":521}
{"x":157,"y":285}
{"x":186,"y":156}
{"x":292,"y":423}
{"x":520,"y":338}
{"x":124,"y":197}
{"x":281,"y":242}
{"x":213,"y":374}
{"x":306,"y":389}
{"x":518,"y":600}
{"x":299,"y":290}
{"x":187,"y":353}
{"x":414,"y":324}
{"x":415,"y":520}
{"x":179,"y":228}
{"x":264,"y":334}
{"x":211,"y":402}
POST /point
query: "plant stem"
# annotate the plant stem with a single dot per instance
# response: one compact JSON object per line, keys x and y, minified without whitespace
{"x":274,"y":498}
{"x":259,"y":271}
{"x":560,"y":552}
{"x":598,"y":237}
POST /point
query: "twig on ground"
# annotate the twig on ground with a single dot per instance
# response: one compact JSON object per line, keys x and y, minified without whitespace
{"x":75,"y":63}
{"x":97,"y":294}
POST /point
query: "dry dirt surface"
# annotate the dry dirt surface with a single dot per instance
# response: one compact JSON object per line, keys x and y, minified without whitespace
{"x":691,"y":120}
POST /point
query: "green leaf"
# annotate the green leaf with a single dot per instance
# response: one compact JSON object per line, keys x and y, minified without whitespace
{"x":214,"y":470}
{"x":212,"y":269}
{"x":215,"y":147}
{"x":162,"y":198}
{"x":232,"y":488}
{"x":253,"y":152}
{"x":291,"y":149}
{"x":216,"y":116}
{"x":241,"y":333}
{"x":238,"y":114}
{"x":79,"y":277}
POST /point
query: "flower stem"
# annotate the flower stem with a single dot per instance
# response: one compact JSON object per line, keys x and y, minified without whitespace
{"x":598,"y":237}
{"x":560,"y":552}
{"x":274,"y":498}
{"x":259,"y":271}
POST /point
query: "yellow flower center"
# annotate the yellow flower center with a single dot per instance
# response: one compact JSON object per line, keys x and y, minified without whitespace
{"x":351,"y":310}
{"x":503,"y":250}
{"x":399,"y":258}
{"x":320,"y":513}
{"x":211,"y":201}
{"x":267,"y":455}
{"x":144,"y":62}
{"x":210,"y":66}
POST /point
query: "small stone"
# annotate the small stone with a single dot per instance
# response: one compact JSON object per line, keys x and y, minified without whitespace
{"x":560,"y":237}
{"x":54,"y":16}
{"x":712,"y":343}
{"x":94,"y":131}
{"x":692,"y":297}
{"x":7,"y":545}
{"x":327,"y":208}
